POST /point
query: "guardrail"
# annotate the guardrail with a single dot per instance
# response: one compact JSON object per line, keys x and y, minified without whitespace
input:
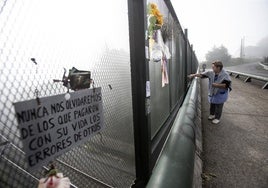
{"x":249,"y":77}
{"x":175,"y":166}
{"x":263,"y":65}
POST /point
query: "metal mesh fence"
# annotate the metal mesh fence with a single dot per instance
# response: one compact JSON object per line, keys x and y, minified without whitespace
{"x":88,"y":36}
{"x":165,"y":98}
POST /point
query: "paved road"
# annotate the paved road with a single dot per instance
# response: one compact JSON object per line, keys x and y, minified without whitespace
{"x":236,"y":150}
{"x":251,"y":68}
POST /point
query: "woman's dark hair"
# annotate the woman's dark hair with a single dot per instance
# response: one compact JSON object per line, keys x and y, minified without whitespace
{"x":218,"y":64}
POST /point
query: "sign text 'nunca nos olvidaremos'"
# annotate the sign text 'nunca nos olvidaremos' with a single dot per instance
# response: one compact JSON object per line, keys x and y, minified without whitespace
{"x":57,"y":125}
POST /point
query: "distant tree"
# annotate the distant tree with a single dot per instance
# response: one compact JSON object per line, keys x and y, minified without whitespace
{"x":219,"y":53}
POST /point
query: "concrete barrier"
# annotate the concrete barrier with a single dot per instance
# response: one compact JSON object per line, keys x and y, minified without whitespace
{"x":179,"y":164}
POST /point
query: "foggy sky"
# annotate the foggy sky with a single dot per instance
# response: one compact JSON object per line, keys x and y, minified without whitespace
{"x":216,"y":22}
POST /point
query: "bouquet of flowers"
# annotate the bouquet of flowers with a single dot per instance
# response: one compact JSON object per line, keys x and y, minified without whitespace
{"x":158,"y":50}
{"x":155,"y":18}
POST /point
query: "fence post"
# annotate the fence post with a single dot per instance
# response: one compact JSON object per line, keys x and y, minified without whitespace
{"x":186,"y":54}
{"x":192,"y":68}
{"x":139,"y":76}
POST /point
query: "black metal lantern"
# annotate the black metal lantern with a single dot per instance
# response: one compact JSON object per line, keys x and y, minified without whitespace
{"x":76,"y":80}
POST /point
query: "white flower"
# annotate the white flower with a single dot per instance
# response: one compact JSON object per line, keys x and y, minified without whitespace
{"x":54,"y":182}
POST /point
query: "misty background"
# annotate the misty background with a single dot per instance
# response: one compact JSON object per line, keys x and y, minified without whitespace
{"x":222,"y":24}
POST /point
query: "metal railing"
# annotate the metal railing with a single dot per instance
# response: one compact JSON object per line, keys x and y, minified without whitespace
{"x":175,"y":166}
{"x":265,"y":66}
{"x":249,"y":77}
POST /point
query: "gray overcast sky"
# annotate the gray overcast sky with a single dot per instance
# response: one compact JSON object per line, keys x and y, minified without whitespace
{"x":216,"y":22}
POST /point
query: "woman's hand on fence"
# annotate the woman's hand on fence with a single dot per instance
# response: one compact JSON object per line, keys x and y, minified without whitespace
{"x":191,"y":76}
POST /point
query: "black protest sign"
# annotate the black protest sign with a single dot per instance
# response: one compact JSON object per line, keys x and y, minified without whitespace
{"x":57,"y":125}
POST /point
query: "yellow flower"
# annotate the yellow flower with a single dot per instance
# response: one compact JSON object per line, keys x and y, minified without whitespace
{"x":153,"y":6}
{"x":154,"y":12}
{"x":157,"y":13}
{"x":160,"y":20}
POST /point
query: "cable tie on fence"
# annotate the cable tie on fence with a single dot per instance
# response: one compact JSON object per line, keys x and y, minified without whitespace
{"x":36,"y":92}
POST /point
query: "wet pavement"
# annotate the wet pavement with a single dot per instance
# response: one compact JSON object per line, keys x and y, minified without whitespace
{"x":236,"y":150}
